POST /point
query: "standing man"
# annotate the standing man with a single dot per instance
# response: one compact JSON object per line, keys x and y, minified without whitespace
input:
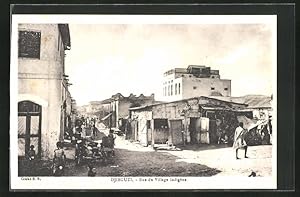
{"x":94,"y":131}
{"x":239,"y":140}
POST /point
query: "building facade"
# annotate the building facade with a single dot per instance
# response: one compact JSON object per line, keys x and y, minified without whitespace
{"x":44,"y":101}
{"x":194,"y":120}
{"x":181,"y":83}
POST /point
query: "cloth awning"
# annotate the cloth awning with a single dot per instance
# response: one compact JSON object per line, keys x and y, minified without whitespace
{"x":107,"y":116}
{"x":258,"y":123}
{"x":249,"y":123}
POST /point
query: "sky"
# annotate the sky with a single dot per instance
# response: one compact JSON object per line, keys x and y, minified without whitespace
{"x":131,"y":58}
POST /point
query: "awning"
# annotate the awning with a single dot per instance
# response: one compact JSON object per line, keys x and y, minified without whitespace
{"x":249,"y":123}
{"x":224,"y":109}
{"x":258,"y":123}
{"x":107,"y":116}
{"x":216,"y":108}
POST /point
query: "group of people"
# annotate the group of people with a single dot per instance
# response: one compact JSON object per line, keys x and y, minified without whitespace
{"x":80,"y":129}
{"x":225,"y":125}
{"x":79,"y":132}
{"x":222,"y":135}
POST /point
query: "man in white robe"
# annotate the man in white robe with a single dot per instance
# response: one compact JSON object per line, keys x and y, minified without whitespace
{"x":239,"y":140}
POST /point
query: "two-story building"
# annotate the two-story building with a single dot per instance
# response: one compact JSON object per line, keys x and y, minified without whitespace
{"x":44,"y":101}
{"x":194,"y":81}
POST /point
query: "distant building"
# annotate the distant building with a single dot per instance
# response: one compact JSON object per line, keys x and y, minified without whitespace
{"x":119,"y":107}
{"x":44,"y":101}
{"x":181,"y":83}
{"x":93,"y":107}
{"x":114,"y":111}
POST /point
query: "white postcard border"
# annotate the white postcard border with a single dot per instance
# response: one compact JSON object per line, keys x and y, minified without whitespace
{"x":217,"y":182}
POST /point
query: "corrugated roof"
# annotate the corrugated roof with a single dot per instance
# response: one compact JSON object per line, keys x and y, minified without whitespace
{"x":253,"y":101}
{"x":145,"y":106}
{"x":224,"y":99}
{"x":258,"y":102}
{"x":150,"y":105}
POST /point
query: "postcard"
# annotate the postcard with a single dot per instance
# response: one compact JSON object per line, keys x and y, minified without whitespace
{"x":143,"y":102}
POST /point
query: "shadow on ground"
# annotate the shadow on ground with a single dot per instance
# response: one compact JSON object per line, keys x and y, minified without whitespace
{"x":133,"y":163}
{"x":125,"y":163}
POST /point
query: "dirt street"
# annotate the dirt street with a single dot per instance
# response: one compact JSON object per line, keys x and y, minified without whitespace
{"x":132,"y":159}
{"x":223,"y":159}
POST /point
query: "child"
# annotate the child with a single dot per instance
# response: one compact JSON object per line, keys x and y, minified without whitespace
{"x":59,"y":157}
{"x":31,"y":153}
{"x":92,"y":170}
{"x":111,"y":141}
{"x":111,"y":133}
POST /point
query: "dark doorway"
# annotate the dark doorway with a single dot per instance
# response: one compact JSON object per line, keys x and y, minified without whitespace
{"x":149,"y":132}
{"x":213,"y":138}
{"x":194,"y":129}
{"x":29,"y":127}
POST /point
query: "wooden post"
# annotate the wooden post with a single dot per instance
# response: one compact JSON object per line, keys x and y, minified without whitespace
{"x":184,"y":130}
{"x":170,"y":132}
{"x":152,"y":133}
{"x":136,"y":130}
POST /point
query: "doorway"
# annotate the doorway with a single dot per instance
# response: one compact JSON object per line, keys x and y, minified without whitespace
{"x":194,"y":130}
{"x":176,"y":131}
{"x":29,"y":128}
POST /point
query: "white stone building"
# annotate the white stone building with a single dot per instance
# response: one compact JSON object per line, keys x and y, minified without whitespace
{"x":44,"y":102}
{"x":181,"y":83}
